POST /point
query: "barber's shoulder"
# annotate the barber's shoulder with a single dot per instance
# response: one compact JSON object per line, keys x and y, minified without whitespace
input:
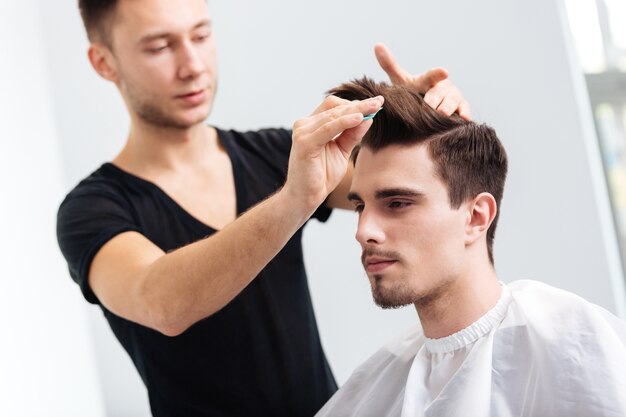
{"x":96,"y":210}
{"x":101,"y":185}
{"x":104,"y":179}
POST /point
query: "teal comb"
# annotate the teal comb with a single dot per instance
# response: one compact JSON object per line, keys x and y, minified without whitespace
{"x":371,"y":115}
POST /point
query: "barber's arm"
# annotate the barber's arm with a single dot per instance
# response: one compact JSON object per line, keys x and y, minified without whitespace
{"x":136,"y":280}
{"x":439,"y":93}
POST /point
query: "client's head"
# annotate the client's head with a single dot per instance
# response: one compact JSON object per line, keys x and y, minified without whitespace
{"x":427,"y":188}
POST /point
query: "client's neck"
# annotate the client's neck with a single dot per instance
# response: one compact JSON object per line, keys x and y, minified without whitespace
{"x":459,"y":303}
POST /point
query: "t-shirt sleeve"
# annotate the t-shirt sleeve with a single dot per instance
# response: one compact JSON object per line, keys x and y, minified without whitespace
{"x":86,"y":220}
{"x":275,"y":146}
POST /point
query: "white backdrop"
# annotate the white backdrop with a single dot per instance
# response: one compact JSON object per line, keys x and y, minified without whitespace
{"x":47,"y":360}
{"x":514,"y":62}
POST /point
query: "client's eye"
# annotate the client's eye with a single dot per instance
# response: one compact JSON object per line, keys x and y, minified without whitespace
{"x":398,"y":204}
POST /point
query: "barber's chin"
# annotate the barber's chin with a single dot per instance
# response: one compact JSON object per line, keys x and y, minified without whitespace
{"x":195,"y":116}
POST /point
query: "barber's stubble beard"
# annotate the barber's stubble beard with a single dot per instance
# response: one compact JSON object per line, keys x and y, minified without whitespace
{"x":149,"y":111}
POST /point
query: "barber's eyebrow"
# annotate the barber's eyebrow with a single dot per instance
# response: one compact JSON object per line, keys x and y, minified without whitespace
{"x":203,"y":23}
{"x":164,"y":34}
{"x":389,"y":192}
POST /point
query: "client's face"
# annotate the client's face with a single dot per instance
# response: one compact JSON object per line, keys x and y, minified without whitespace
{"x":413,"y":242}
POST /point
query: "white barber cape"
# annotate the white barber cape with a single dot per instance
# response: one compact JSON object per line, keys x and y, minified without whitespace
{"x":540,"y":352}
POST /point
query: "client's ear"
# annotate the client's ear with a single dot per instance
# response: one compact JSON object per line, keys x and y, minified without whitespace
{"x":481,"y":212}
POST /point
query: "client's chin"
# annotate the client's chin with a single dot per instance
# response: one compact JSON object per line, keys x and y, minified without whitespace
{"x":395,"y":296}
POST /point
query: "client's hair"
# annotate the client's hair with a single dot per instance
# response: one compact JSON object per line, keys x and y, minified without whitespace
{"x":468,"y":156}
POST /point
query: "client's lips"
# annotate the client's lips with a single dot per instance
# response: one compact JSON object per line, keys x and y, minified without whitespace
{"x":375,"y":264}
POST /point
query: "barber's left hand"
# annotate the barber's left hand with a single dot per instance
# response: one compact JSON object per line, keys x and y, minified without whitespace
{"x":438,"y":90}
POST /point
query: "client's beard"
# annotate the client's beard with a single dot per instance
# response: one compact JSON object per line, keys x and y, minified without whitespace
{"x":396,"y":296}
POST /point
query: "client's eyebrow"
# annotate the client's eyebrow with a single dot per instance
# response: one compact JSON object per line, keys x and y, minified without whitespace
{"x":389,"y":192}
{"x":352,"y":196}
{"x":398,"y":192}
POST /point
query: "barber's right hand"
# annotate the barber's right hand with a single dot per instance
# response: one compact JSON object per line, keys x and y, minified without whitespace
{"x":321,"y":148}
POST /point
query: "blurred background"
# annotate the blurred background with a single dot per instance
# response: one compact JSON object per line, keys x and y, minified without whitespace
{"x":549,"y":75}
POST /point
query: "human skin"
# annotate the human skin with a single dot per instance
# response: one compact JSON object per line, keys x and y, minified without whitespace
{"x":162,"y":58}
{"x":417,"y":248}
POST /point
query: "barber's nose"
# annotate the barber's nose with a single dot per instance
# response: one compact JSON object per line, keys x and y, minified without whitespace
{"x":191,"y":63}
{"x":369,"y":230}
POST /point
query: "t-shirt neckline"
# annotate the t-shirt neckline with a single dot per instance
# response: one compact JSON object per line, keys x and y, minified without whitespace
{"x":235,"y":166}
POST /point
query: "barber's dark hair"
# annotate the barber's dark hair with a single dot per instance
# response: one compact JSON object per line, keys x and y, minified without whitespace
{"x":97,"y":17}
{"x":468,"y":156}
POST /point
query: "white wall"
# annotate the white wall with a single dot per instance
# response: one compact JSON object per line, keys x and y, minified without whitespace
{"x":512,"y":60}
{"x":519,"y":77}
{"x":47,"y":360}
{"x":92,"y":125}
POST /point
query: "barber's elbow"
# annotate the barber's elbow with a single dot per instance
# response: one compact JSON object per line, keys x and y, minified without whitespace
{"x":164,"y":313}
{"x":158,"y":309}
{"x":167,"y":313}
{"x":173,"y":318}
{"x":168,"y":321}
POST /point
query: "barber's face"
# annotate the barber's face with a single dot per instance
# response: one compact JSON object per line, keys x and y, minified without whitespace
{"x":413,"y":242}
{"x":166,"y":60}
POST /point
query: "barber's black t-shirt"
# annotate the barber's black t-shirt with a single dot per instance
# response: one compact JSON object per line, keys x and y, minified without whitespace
{"x":258,"y":356}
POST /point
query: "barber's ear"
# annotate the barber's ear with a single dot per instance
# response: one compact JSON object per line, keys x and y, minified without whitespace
{"x":481,"y":212}
{"x":103,"y":61}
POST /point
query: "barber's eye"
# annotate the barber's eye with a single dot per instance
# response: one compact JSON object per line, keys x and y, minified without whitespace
{"x":358,"y":208}
{"x":203,"y":37}
{"x":158,"y":49}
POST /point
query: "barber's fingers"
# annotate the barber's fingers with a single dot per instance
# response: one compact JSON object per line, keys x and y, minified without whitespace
{"x":398,"y":75}
{"x":444,"y":97}
{"x":388,"y":63}
{"x":464,"y":110}
{"x":448,"y":100}
{"x":314,"y":122}
{"x":434,"y":97}
{"x":349,"y":138}
{"x":329,"y":102}
{"x":332,"y":129}
{"x":430,"y":79}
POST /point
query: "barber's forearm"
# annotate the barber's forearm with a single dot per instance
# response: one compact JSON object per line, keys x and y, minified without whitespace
{"x":198,"y":280}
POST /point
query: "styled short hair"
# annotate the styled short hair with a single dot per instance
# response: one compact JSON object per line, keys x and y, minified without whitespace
{"x":97,"y":17}
{"x":468,"y":157}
